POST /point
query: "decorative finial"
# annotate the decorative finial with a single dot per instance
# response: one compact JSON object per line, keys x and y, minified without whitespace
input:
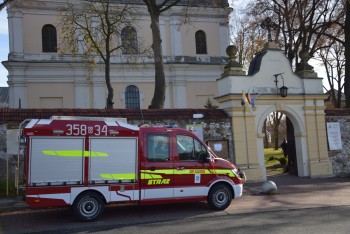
{"x":304,"y":59}
{"x":231,"y":51}
{"x":233,"y":67}
{"x":269,"y":25}
{"x":304,"y":69}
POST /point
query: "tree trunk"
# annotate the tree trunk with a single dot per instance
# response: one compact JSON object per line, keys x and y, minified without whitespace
{"x":347,"y":55}
{"x":276,"y":124}
{"x":159,"y":89}
{"x":275,"y":135}
{"x":266,"y":142}
{"x":109,"y":104}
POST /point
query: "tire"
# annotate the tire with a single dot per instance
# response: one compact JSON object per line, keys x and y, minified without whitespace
{"x":219,"y":197}
{"x":88,"y":206}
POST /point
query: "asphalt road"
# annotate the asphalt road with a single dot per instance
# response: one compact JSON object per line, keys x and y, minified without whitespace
{"x":181,"y":218}
{"x":321,"y":221}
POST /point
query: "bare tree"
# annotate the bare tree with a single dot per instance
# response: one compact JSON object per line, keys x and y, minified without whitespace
{"x":334,"y":63}
{"x":93,"y":29}
{"x":276,"y":118}
{"x":275,"y":126}
{"x":347,"y":54}
{"x":247,"y":36}
{"x":301,"y":23}
{"x":4,"y":3}
{"x":20,"y":3}
{"x":308,"y":25}
{"x":266,"y":138}
{"x":155,"y":9}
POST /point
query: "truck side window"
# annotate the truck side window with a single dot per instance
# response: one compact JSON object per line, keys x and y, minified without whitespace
{"x":158,"y":148}
{"x":188,"y":148}
{"x":199,"y":150}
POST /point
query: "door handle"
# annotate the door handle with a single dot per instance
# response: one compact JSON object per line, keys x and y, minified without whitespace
{"x":152,"y":168}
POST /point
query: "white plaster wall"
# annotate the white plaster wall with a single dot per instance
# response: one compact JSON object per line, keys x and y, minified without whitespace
{"x":89,"y":89}
{"x":262,"y":81}
{"x":274,"y":62}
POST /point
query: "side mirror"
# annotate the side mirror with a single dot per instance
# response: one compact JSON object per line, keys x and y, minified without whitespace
{"x":204,"y":157}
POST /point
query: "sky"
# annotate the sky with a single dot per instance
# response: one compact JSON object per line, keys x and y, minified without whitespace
{"x":4,"y":47}
{"x":4,"y":50}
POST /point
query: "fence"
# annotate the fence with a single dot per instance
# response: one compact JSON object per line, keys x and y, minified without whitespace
{"x":214,"y":128}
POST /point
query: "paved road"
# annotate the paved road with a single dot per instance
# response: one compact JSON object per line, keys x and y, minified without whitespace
{"x":319,"y":220}
{"x":294,"y":194}
{"x":186,"y":218}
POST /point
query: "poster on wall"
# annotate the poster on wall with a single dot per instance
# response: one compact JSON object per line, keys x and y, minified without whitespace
{"x":334,"y":136}
{"x":196,"y":129}
{"x":220,"y":148}
{"x":12,"y":141}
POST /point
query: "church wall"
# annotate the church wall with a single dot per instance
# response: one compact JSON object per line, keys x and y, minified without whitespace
{"x":28,"y":65}
{"x":199,"y":92}
{"x":341,"y":158}
{"x":50,"y":95}
{"x":32,"y":25}
{"x":144,"y":89}
{"x":212,"y":32}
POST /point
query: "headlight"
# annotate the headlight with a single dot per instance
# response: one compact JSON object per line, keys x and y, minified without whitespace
{"x":239,"y":174}
{"x":235,"y":172}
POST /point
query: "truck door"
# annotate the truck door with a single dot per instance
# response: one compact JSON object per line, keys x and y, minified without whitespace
{"x":191,"y":175}
{"x":157,"y":179}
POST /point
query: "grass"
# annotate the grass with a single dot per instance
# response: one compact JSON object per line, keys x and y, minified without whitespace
{"x":11,"y":189}
{"x":272,"y":161}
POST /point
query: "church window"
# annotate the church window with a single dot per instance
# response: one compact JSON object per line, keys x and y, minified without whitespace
{"x":129,"y":40}
{"x":49,"y":38}
{"x":132,"y":97}
{"x":201,"y":42}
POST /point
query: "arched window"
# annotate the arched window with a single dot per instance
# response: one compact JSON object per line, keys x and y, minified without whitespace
{"x":201,"y":42}
{"x":132,"y":97}
{"x":129,"y":40}
{"x":49,"y":38}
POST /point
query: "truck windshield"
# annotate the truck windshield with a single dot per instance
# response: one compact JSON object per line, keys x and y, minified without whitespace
{"x":189,"y":149}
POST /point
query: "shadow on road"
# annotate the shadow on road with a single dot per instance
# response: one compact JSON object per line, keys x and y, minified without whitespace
{"x":62,"y":220}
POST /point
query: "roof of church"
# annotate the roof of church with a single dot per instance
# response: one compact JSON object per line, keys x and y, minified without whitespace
{"x":130,"y":114}
{"x":213,"y":3}
{"x":255,"y":64}
{"x":4,"y":97}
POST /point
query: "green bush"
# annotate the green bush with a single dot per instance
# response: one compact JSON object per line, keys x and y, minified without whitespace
{"x":272,"y":158}
{"x":11,"y":188}
{"x":283,"y":161}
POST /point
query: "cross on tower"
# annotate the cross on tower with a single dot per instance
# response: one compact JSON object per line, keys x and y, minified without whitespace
{"x":269,"y":25}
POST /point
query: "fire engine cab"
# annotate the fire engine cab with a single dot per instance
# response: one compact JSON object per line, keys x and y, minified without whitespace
{"x":87,"y":164}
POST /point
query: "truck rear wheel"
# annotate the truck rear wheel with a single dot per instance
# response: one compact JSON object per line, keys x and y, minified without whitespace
{"x":88,"y":206}
{"x":219,"y":197}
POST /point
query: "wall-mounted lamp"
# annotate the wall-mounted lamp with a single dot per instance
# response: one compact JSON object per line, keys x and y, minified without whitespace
{"x":283,"y":89}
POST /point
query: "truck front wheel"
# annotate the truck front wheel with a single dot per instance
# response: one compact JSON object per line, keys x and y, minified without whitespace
{"x":88,"y":206}
{"x":219,"y":197}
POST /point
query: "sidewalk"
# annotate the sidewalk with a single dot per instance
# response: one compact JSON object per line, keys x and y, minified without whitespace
{"x":293,"y":193}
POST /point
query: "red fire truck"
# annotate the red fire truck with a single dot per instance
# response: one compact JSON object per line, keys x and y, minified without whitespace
{"x":87,"y":164}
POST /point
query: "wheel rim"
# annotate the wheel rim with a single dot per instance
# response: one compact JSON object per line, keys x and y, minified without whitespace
{"x":220,"y":198}
{"x":89,"y":207}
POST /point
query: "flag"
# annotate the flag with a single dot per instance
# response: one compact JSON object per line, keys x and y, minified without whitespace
{"x":246,"y":101}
